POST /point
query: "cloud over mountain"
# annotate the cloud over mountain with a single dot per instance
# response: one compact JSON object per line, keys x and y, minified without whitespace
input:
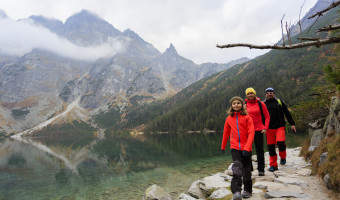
{"x":20,"y":37}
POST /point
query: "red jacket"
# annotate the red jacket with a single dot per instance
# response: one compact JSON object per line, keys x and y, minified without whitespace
{"x":240,"y":128}
{"x":254,"y":111}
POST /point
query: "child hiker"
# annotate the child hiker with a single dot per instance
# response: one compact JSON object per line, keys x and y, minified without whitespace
{"x":239,"y":127}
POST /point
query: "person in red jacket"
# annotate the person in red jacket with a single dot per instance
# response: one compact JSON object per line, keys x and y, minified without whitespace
{"x":240,"y":128}
{"x":260,"y":115}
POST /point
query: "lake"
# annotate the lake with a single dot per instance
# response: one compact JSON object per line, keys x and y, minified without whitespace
{"x":116,"y":167}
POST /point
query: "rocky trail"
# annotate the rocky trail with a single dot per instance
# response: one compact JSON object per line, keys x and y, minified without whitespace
{"x":293,"y":181}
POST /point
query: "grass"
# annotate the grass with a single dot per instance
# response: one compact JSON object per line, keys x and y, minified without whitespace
{"x":331,"y":145}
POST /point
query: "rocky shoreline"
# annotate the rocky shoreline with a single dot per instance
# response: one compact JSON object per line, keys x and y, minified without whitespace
{"x":292,"y":181}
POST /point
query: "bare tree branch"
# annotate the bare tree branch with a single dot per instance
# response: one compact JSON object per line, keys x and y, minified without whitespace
{"x":329,"y":28}
{"x":288,"y":29}
{"x":300,"y":18}
{"x":313,"y":24}
{"x":333,"y":5}
{"x":283,"y":37}
{"x":317,"y":43}
{"x":309,"y":38}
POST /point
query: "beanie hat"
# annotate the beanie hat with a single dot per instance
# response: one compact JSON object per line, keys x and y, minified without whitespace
{"x":269,"y":90}
{"x":250,"y":90}
{"x":236,"y":98}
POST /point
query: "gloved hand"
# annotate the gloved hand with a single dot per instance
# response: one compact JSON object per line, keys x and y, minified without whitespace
{"x":245,"y":153}
{"x":223,"y":151}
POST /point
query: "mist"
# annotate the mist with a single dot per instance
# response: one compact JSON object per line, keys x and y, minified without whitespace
{"x":20,"y":37}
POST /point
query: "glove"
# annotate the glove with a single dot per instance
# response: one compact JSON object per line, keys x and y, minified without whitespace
{"x":245,"y":153}
{"x":223,"y":151}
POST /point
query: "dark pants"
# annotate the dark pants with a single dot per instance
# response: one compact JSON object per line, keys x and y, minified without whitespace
{"x":241,"y":169}
{"x":258,"y":139}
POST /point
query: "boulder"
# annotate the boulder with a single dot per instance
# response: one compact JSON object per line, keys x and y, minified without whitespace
{"x":196,"y":191}
{"x":311,"y":148}
{"x":212,"y":183}
{"x":220,"y":194}
{"x":317,"y":136}
{"x":323,"y":158}
{"x":327,"y":181}
{"x":230,"y":171}
{"x":155,"y":192}
{"x":185,"y":197}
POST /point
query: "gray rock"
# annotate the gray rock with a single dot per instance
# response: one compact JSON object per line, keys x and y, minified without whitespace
{"x":317,"y":136}
{"x":185,"y":197}
{"x":327,"y":181}
{"x":196,"y":191}
{"x":230,"y":171}
{"x":284,"y":194}
{"x":212,"y":183}
{"x":155,"y":192}
{"x":311,"y":148}
{"x":220,"y":194}
{"x":323,"y":158}
{"x":292,"y":181}
{"x":304,"y":172}
{"x":279,"y":190}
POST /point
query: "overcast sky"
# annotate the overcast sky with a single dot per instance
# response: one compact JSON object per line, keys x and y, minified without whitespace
{"x":194,"y":27}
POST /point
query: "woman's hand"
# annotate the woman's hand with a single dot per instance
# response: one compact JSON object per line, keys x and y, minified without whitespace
{"x":264,"y":131}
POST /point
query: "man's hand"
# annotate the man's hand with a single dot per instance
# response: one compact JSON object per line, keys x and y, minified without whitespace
{"x":293,"y":128}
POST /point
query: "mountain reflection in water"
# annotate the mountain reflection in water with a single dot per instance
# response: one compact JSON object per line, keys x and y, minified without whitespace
{"x":86,"y":167}
{"x":117,"y":167}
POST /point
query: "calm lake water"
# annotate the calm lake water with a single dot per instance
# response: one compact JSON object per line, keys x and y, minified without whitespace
{"x":117,"y":167}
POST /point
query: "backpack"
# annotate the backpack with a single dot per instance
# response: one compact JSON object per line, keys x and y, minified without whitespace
{"x":278,"y":100}
{"x":262,"y":115}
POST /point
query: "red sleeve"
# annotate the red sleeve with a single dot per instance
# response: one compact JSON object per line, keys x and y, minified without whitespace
{"x":226,"y":134}
{"x":251,"y":134}
{"x":266,"y":116}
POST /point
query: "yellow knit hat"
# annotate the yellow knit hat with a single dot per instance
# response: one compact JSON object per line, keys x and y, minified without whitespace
{"x":250,"y":90}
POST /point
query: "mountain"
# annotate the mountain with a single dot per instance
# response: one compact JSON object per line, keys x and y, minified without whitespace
{"x":39,"y":85}
{"x":305,"y":22}
{"x":203,"y":105}
{"x":2,"y":14}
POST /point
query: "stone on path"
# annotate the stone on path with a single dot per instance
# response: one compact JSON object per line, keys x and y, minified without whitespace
{"x":220,"y":194}
{"x":279,"y":190}
{"x":291,"y":181}
{"x":212,"y":183}
{"x":304,"y":172}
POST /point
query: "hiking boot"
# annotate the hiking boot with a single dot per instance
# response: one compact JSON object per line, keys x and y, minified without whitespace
{"x":272,"y":168}
{"x":261,"y":173}
{"x":246,"y":194}
{"x":237,"y":196}
{"x":283,"y":161}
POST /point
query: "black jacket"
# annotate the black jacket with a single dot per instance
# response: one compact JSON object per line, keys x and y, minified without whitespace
{"x":277,"y":113}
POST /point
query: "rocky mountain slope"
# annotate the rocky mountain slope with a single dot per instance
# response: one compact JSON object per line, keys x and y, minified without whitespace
{"x":39,"y":84}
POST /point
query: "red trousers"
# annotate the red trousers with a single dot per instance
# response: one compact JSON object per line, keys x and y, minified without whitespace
{"x":276,"y":136}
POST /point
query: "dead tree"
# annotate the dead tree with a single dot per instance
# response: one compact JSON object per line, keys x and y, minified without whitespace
{"x":310,"y":41}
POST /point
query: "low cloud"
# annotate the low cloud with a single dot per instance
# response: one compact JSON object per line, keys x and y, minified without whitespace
{"x":20,"y":37}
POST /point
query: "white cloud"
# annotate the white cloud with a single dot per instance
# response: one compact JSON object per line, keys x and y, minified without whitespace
{"x":193,"y":26}
{"x":20,"y":37}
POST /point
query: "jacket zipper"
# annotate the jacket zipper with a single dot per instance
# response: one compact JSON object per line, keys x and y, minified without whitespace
{"x":238,"y":131}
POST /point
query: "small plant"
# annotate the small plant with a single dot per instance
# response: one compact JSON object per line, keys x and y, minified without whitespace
{"x":20,"y":113}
